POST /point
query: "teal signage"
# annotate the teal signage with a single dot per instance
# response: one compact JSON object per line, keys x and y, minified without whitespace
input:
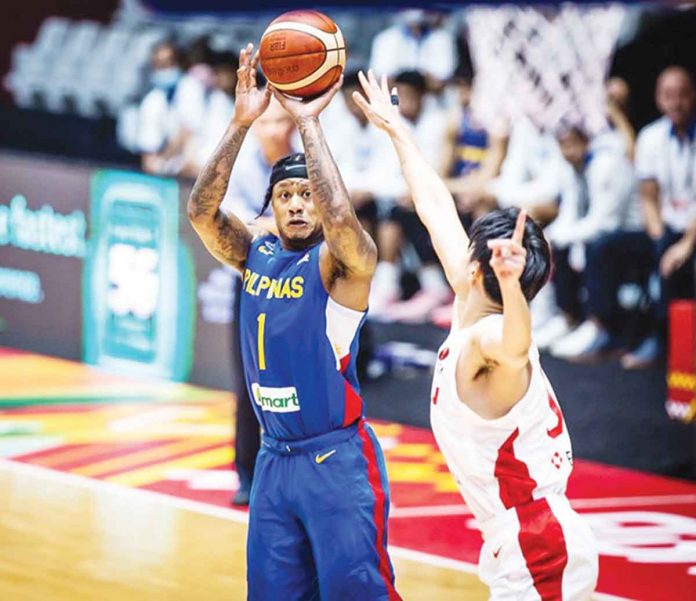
{"x":138,"y":279}
{"x":44,"y":230}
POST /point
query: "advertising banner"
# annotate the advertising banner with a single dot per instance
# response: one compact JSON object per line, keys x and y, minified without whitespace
{"x":102,"y":266}
{"x":43,"y":235}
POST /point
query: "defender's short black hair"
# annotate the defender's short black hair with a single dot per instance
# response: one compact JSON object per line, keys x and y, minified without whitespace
{"x":501,"y":224}
{"x":414,"y":79}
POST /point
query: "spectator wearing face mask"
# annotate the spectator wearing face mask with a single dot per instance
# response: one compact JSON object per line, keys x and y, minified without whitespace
{"x":169,"y":113}
{"x":217,"y":110}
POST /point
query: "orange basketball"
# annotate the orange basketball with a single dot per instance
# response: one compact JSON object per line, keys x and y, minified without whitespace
{"x":302,"y":53}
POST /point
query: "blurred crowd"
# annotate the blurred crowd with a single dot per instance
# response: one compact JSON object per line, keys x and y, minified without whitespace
{"x":618,"y":207}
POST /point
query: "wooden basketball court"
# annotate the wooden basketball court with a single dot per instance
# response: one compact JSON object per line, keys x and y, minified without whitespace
{"x":67,"y":538}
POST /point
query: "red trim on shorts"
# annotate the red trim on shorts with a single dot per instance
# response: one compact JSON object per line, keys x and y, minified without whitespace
{"x":541,"y":536}
{"x":543,"y":547}
{"x":373,"y":477}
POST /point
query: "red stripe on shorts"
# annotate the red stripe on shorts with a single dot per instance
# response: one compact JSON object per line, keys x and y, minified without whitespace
{"x":375,"y":481}
{"x":543,"y":547}
{"x":541,"y":536}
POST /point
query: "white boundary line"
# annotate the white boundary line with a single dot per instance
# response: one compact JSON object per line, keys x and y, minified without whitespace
{"x":224,"y":513}
{"x":588,"y":503}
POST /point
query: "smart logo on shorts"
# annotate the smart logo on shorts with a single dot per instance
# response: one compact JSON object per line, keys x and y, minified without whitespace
{"x":276,"y":400}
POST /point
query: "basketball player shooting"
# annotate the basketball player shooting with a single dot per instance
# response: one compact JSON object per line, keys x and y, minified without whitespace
{"x":319,"y":500}
{"x":493,"y":411}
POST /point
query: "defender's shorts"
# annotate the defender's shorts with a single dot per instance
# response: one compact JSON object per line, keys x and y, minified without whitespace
{"x":318,"y":519}
{"x":540,"y":551}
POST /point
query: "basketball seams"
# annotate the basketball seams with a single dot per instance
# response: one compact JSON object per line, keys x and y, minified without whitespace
{"x":302,"y":48}
{"x":329,"y":63}
{"x":328,"y":39}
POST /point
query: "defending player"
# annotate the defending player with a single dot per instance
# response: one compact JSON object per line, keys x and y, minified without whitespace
{"x":319,"y":499}
{"x":493,"y":412}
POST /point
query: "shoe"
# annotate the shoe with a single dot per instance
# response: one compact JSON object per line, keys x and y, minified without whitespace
{"x":553,"y":330}
{"x":645,"y":355}
{"x":418,"y":308}
{"x":586,"y":340}
{"x":380,"y":303}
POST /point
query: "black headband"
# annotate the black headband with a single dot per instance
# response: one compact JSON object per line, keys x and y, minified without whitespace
{"x":291,"y":166}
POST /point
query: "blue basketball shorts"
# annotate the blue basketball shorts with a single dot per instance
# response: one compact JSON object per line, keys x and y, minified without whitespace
{"x":318,"y":519}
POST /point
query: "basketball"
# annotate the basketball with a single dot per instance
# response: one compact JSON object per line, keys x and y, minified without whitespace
{"x":302,"y":53}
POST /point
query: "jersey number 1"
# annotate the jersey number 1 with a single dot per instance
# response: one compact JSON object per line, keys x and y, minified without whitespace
{"x":262,"y":354}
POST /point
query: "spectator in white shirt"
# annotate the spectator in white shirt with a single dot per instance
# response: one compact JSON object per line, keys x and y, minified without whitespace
{"x":169,"y":113}
{"x":666,"y":169}
{"x":362,"y":155}
{"x":429,"y":129}
{"x":416,"y":42}
{"x":216,"y":114}
{"x":597,"y":201}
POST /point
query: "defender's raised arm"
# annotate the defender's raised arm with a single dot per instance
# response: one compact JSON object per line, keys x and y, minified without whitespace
{"x":224,"y":235}
{"x":433,"y":201}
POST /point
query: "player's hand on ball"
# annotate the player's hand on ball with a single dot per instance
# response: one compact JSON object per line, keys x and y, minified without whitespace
{"x":377,"y":102}
{"x":508,"y":255}
{"x":307,"y":108}
{"x":250,"y":101}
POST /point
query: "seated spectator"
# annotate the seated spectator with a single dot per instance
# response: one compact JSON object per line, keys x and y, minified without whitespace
{"x":429,"y":127}
{"x":217,"y":111}
{"x":169,"y":113}
{"x":472,"y":155}
{"x":365,"y":159}
{"x":416,"y":42}
{"x":597,"y":200}
{"x":666,"y":169}
{"x":528,"y":174}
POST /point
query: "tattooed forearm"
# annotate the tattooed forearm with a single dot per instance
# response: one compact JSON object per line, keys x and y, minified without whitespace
{"x":211,"y":185}
{"x":347,"y":240}
{"x":225,"y":236}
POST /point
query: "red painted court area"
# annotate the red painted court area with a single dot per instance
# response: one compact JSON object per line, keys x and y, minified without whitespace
{"x":174,"y":439}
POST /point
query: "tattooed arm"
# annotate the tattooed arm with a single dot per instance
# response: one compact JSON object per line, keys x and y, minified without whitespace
{"x":225,"y":235}
{"x":348,"y":265}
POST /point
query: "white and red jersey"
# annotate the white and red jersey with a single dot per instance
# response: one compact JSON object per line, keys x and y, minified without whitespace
{"x":512,"y":472}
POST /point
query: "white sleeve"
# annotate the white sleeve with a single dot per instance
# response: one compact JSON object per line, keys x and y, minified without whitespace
{"x":442,"y":54}
{"x":646,"y":155}
{"x":609,"y":189}
{"x":190,"y":103}
{"x":151,"y":134}
{"x":384,"y":54}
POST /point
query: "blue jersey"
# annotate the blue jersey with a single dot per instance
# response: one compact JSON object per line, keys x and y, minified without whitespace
{"x":299,"y":346}
{"x":470,"y":147}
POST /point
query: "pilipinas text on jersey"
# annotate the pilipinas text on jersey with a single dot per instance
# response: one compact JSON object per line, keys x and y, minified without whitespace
{"x":298,"y":345}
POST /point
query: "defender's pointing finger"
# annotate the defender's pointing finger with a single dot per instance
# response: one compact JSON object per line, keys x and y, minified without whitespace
{"x":518,"y":234}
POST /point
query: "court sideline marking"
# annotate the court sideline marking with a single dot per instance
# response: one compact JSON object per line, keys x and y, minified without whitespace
{"x":229,"y":514}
